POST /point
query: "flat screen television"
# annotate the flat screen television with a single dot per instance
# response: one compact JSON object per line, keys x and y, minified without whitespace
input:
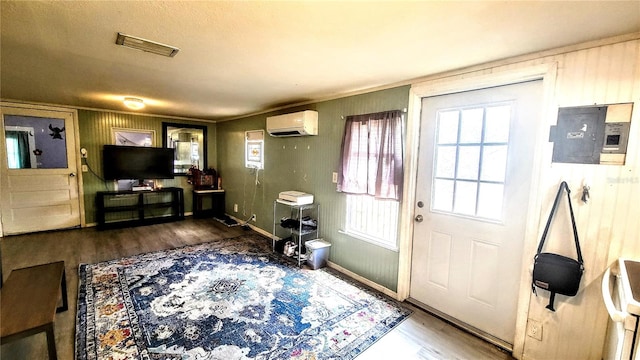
{"x":133,"y":162}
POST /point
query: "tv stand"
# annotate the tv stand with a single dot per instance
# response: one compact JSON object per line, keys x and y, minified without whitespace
{"x":135,"y":208}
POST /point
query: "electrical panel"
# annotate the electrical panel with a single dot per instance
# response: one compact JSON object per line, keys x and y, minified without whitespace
{"x":592,"y":134}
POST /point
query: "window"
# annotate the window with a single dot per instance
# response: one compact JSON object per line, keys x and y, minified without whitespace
{"x":373,"y":220}
{"x":470,"y":161}
{"x":21,"y":147}
{"x":13,"y":152}
{"x":371,"y":173}
{"x":253,"y":149}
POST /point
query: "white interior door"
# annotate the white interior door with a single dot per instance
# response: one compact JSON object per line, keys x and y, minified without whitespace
{"x":474,"y":172}
{"x":39,"y":176}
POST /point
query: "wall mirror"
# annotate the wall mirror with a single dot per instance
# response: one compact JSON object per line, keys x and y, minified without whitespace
{"x":190,"y":144}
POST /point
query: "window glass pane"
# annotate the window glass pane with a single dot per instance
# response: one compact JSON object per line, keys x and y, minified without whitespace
{"x":442,"y":195}
{"x":494,"y":163}
{"x":468,"y":161}
{"x":490,"y":201}
{"x":373,"y":220}
{"x":37,"y":142}
{"x":13,"y":154}
{"x":448,"y":127}
{"x":465,"y":201}
{"x":470,"y":170}
{"x":446,"y":161}
{"x":471,"y":126}
{"x":497,"y":124}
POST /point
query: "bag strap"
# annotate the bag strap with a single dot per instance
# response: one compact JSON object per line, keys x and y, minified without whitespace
{"x":563,"y":186}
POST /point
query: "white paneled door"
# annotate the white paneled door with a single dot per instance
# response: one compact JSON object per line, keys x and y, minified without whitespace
{"x":39,"y":176}
{"x":475,"y":161}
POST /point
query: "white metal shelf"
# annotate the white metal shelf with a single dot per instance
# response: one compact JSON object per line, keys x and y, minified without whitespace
{"x":298,"y":235}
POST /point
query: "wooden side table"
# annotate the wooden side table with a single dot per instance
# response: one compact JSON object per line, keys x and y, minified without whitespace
{"x":28,"y":303}
{"x":217,"y":203}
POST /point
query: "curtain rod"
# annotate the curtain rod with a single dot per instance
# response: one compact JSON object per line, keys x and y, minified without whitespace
{"x":404,"y":111}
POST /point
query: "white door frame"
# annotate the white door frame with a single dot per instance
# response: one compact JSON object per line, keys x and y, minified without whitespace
{"x":77,"y":159}
{"x":545,"y":72}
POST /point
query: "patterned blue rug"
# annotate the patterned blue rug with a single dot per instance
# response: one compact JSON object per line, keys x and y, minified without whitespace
{"x":226,"y":300}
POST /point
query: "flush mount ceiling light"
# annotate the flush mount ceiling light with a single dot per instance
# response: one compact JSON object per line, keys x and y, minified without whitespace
{"x":133,"y":103}
{"x":146,"y":45}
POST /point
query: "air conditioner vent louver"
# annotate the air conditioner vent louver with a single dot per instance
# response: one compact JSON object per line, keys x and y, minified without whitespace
{"x":146,"y":45}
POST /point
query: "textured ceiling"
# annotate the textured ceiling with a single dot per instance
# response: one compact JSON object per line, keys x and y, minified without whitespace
{"x":242,"y":57}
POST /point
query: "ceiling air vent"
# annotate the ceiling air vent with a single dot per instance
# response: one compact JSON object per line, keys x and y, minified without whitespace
{"x":146,"y":45}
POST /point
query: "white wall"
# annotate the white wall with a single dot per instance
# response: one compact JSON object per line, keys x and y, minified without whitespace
{"x":603,"y":72}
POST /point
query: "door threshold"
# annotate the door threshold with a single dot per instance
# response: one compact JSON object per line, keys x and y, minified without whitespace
{"x":463,"y":326}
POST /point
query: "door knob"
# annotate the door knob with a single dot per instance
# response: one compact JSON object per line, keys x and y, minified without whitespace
{"x":72,"y":174}
{"x":419,"y":218}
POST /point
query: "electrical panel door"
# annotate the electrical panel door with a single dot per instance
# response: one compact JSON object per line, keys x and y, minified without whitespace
{"x":592,"y":134}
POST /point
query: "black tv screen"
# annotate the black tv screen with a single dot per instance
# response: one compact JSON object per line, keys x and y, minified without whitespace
{"x":133,"y":162}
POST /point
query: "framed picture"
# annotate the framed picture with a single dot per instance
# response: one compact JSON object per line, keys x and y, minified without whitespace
{"x":133,"y":137}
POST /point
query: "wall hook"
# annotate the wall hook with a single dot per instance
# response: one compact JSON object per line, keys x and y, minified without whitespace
{"x":585,"y":194}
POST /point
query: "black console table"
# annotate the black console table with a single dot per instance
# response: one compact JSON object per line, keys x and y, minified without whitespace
{"x":134,"y":208}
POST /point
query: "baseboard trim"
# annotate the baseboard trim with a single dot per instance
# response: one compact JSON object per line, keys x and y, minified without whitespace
{"x":363,"y":280}
{"x":252,"y":227}
{"x":260,"y":231}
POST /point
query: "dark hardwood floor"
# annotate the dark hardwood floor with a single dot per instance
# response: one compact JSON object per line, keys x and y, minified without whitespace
{"x":421,"y":336}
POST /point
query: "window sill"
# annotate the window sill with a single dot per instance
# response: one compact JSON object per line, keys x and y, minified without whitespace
{"x":370,"y":240}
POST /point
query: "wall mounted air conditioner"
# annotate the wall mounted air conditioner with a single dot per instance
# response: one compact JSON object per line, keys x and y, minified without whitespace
{"x":295,"y":124}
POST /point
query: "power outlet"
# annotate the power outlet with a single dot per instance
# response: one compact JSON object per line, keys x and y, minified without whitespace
{"x":235,"y":207}
{"x":253,"y":218}
{"x":83,"y":152}
{"x":534,"y":329}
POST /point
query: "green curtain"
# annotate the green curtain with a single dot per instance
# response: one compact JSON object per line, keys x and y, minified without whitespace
{"x":21,"y":158}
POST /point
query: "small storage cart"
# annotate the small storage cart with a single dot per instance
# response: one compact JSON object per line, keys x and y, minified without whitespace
{"x":295,"y":224}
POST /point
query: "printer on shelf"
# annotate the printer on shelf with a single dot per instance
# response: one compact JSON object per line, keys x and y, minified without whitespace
{"x":295,"y":198}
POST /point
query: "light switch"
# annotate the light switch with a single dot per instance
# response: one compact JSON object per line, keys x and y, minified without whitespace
{"x":334,"y":178}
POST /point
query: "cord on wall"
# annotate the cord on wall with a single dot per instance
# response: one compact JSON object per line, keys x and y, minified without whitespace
{"x":251,"y":214}
{"x":86,"y":162}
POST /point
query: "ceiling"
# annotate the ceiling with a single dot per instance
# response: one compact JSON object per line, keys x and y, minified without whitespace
{"x":243,"y":57}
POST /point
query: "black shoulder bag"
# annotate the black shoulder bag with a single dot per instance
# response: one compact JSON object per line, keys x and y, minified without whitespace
{"x":556,"y":273}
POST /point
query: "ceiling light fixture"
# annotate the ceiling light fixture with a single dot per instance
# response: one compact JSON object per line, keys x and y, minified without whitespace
{"x":146,"y":45}
{"x":133,"y":103}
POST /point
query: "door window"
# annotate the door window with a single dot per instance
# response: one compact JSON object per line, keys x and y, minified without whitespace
{"x":35,"y":142}
{"x":470,"y":160}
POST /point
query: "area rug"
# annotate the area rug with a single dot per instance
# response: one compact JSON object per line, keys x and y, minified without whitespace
{"x":224,"y":300}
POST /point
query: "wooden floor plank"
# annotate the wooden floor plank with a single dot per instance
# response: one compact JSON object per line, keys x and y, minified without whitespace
{"x":419,"y":337}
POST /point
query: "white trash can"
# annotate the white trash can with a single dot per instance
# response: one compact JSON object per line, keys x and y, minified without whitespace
{"x":317,"y":253}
